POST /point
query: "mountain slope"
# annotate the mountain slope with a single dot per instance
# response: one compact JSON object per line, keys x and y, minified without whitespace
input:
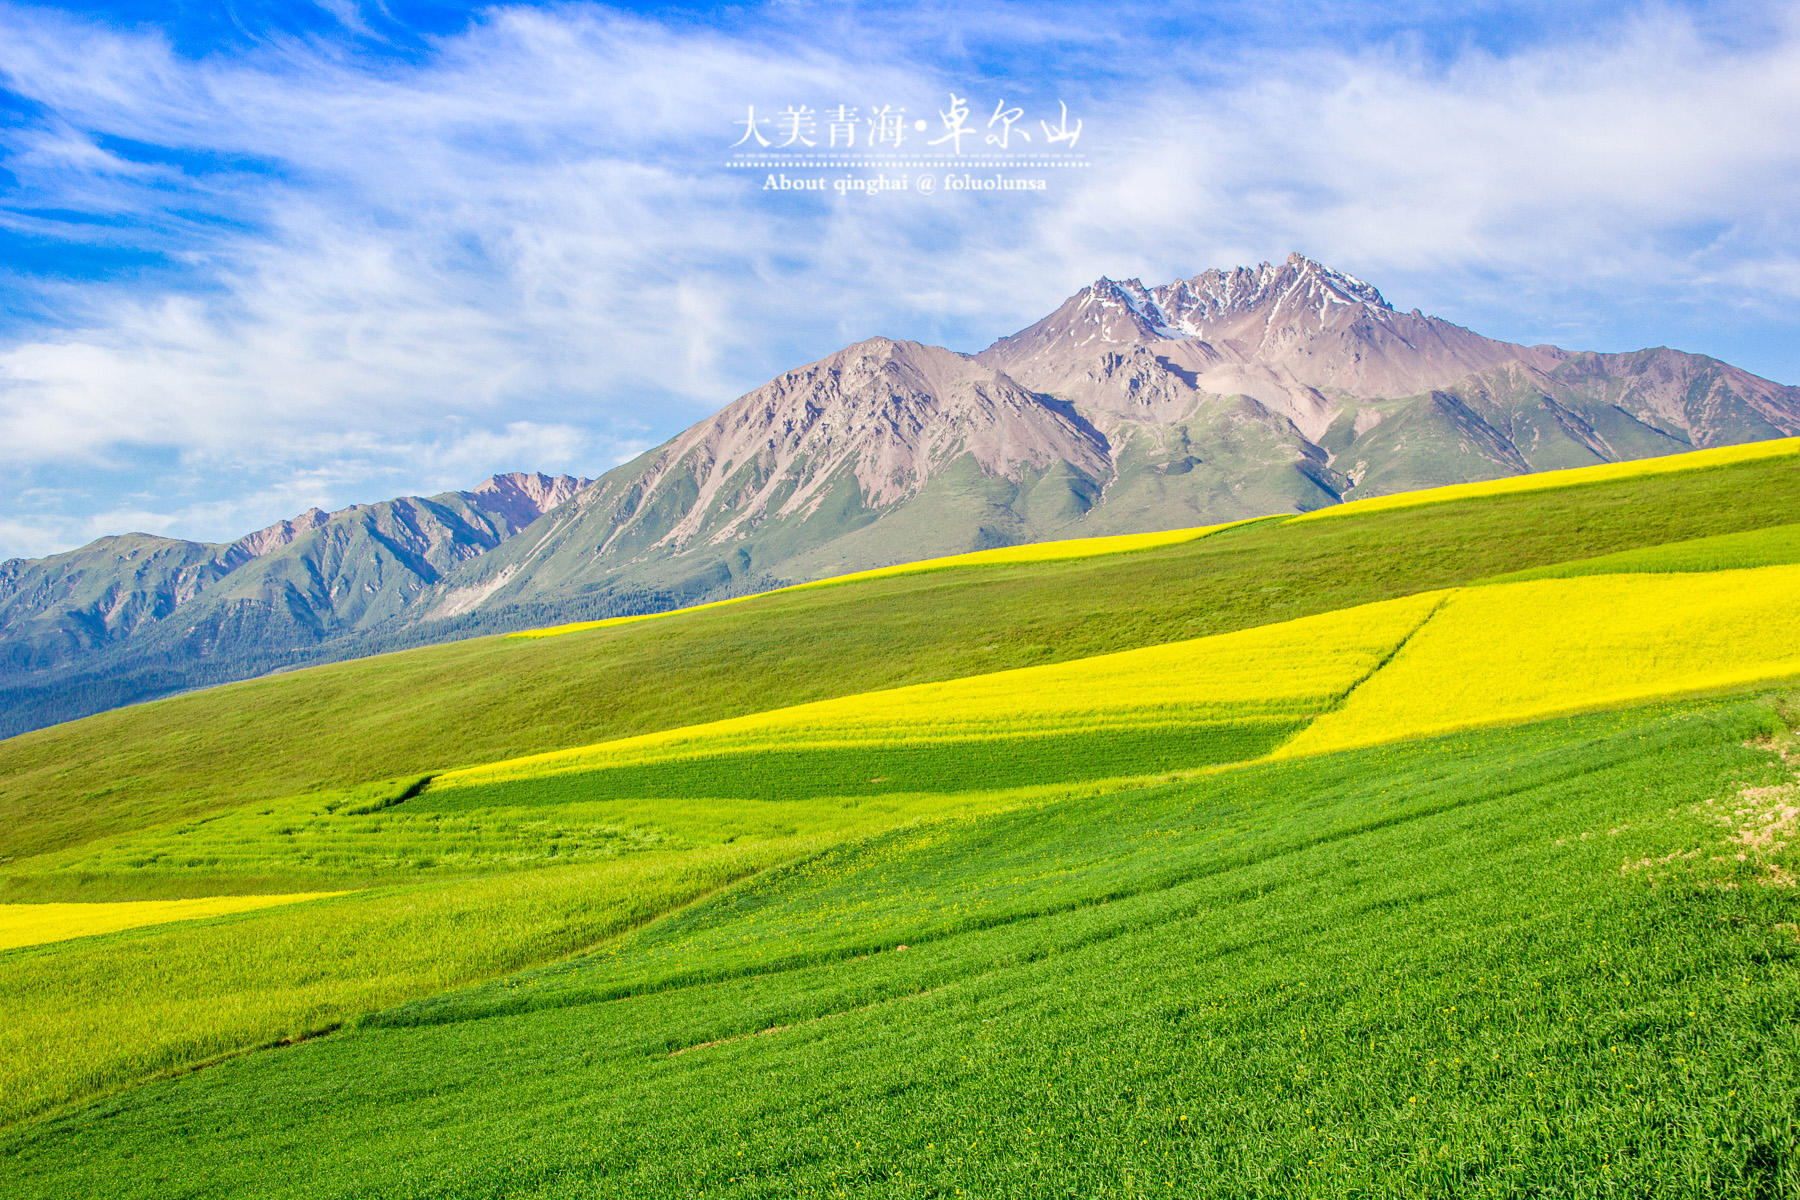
{"x":1228,"y":395}
{"x":1232,"y":394}
{"x":790,"y":474}
{"x":128,"y":617}
{"x":1385,"y":401}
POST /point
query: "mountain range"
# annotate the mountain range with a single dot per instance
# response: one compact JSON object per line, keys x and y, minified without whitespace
{"x":1278,"y":388}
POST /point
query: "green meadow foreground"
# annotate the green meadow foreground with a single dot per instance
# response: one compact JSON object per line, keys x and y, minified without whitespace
{"x":1442,"y":847}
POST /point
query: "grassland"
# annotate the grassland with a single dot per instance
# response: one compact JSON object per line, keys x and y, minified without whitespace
{"x":1775,"y":546}
{"x":464,"y":833}
{"x":1504,"y":963}
{"x":490,"y":699}
{"x":1031,"y":552}
{"x":1023,"y":773}
{"x":1489,"y":656}
{"x":88,"y":1016}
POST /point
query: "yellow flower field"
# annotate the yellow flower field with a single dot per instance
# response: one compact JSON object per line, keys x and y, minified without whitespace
{"x":1293,"y":668}
{"x":1032,"y":552}
{"x":36,"y":924}
{"x":1718,"y":456}
{"x":1517,"y":652}
{"x":1482,"y":656}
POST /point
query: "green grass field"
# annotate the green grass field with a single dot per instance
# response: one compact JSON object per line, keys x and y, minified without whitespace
{"x":93,"y":1014}
{"x":1428,"y":969}
{"x":1136,"y":872}
{"x":1774,"y":546}
{"x":849,"y":771}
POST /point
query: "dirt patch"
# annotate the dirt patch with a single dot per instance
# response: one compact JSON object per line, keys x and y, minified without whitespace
{"x":1759,"y":823}
{"x":1768,"y":819}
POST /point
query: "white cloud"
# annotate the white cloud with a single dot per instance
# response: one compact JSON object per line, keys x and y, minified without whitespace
{"x":522,"y":252}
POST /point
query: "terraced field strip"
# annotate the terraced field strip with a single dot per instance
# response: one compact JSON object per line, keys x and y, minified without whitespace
{"x":38,"y":924}
{"x":1522,"y":651}
{"x":1774,"y":546}
{"x":1276,"y":675}
{"x":1034,"y":552}
{"x":1697,"y":460}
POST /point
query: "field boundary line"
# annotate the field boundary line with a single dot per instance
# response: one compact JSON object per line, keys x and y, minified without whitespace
{"x":1275,"y":754}
{"x":842,"y":1012}
{"x":1344,"y":697}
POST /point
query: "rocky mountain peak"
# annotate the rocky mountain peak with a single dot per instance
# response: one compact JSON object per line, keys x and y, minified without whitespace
{"x":274,"y":537}
{"x":522,"y":497}
{"x":1276,"y":293}
{"x":866,"y":426}
{"x":1300,"y":338}
{"x":1195,"y":308}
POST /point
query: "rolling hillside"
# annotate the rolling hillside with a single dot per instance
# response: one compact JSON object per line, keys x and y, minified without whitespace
{"x":1436,"y":842}
{"x":1230,"y":395}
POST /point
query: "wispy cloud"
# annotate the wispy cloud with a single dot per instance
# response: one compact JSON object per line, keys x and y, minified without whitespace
{"x":519,"y":249}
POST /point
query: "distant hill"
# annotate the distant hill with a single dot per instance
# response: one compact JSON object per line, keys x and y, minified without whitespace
{"x":133,"y":616}
{"x":1278,"y":388}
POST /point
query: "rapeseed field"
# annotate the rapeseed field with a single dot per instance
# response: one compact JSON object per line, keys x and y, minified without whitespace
{"x":34,"y":924}
{"x":1517,"y":652}
{"x":1287,"y":670}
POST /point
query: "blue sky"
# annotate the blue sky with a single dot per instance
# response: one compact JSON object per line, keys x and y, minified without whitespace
{"x":260,"y":256}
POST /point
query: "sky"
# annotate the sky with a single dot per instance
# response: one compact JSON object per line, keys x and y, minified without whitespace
{"x":261,"y":256}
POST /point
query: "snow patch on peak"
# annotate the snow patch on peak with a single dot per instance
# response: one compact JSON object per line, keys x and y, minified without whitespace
{"x":1272,"y":292}
{"x":1346,"y":285}
{"x":1141,"y":302}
